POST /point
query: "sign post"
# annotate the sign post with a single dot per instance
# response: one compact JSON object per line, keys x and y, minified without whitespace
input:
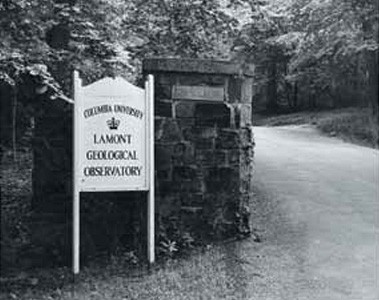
{"x":76,"y":193}
{"x":113,"y":146}
{"x":151,"y":202}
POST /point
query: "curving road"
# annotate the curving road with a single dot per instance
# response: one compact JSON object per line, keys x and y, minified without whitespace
{"x":318,"y":207}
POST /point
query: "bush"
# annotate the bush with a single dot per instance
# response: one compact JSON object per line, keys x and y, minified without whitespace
{"x":173,"y":239}
{"x":16,"y":192}
{"x":354,"y":125}
{"x":351,"y":124}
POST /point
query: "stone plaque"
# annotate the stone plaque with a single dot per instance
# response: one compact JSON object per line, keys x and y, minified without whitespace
{"x":199,"y":92}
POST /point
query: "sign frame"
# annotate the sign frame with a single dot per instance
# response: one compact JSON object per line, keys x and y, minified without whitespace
{"x":149,"y":179}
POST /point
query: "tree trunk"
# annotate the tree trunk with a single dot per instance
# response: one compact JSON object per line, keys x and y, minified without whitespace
{"x":373,"y":92}
{"x":272,"y":96}
{"x":295,"y":96}
{"x":14,"y":124}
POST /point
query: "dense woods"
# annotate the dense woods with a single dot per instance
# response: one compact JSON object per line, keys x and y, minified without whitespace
{"x":307,"y":54}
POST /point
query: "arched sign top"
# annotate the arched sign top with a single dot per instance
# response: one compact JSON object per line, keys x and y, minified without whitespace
{"x":113,"y":145}
{"x":112,"y":87}
{"x":112,"y":136}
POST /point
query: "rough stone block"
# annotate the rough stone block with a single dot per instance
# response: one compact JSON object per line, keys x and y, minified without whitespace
{"x":190,"y":186}
{"x":171,"y":131}
{"x":246,"y":137}
{"x":185,"y":109}
{"x":165,"y":187}
{"x":246,"y":155}
{"x":191,"y":210}
{"x":163,"y":108}
{"x":237,"y":116}
{"x":245,"y":115}
{"x":215,"y":114}
{"x":220,"y":157}
{"x":234,"y":89}
{"x":163,"y":154}
{"x":203,"y":144}
{"x":158,"y":130}
{"x":194,"y":199}
{"x":183,"y":173}
{"x":197,"y":66}
{"x":179,"y":149}
{"x":188,"y":133}
{"x":186,"y":123}
{"x":204,"y":157}
{"x":245,"y":185}
{"x":196,"y":79}
{"x":169,"y":205}
{"x":233,"y":156}
{"x":183,"y":154}
{"x":224,"y":179}
{"x":206,"y":132}
{"x":165,"y":79}
{"x":162,"y":91}
{"x":228,"y":139}
{"x":247,"y":91}
{"x":191,"y":219}
{"x":163,"y":174}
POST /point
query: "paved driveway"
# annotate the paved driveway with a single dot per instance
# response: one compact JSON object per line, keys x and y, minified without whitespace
{"x":318,"y":213}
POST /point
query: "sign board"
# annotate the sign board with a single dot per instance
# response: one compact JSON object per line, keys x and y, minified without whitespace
{"x":112,"y":140}
{"x":113,"y":144}
{"x":199,"y":92}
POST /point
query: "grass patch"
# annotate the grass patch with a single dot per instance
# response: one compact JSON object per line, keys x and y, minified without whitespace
{"x":16,"y":194}
{"x":350,"y":124}
{"x":214,"y":273}
{"x":209,"y":272}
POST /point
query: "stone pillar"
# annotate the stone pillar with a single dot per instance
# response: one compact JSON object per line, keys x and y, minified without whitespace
{"x":204,"y":144}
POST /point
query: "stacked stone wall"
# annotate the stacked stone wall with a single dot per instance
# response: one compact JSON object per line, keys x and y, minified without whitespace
{"x":204,"y":148}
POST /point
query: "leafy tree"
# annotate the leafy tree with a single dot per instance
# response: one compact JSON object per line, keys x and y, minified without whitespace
{"x":105,"y":37}
{"x":324,"y":52}
{"x":257,"y":44}
{"x":43,"y":41}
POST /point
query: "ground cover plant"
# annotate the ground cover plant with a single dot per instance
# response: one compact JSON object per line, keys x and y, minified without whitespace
{"x":350,"y":124}
{"x":213,"y":272}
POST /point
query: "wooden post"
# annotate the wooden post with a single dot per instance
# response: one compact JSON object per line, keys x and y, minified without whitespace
{"x":151,"y":194}
{"x":76,"y":192}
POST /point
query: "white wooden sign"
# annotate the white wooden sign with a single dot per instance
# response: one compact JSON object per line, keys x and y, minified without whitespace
{"x":112,"y":140}
{"x":113,"y":144}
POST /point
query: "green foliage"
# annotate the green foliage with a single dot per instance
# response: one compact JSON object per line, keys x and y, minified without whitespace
{"x":321,"y":51}
{"x":173,"y":239}
{"x":59,"y":35}
{"x":321,"y":45}
{"x":105,"y":37}
{"x":15,"y":180}
{"x":180,"y":28}
{"x":350,"y":124}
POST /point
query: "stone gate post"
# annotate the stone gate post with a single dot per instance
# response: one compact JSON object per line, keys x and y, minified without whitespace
{"x":204,"y":143}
